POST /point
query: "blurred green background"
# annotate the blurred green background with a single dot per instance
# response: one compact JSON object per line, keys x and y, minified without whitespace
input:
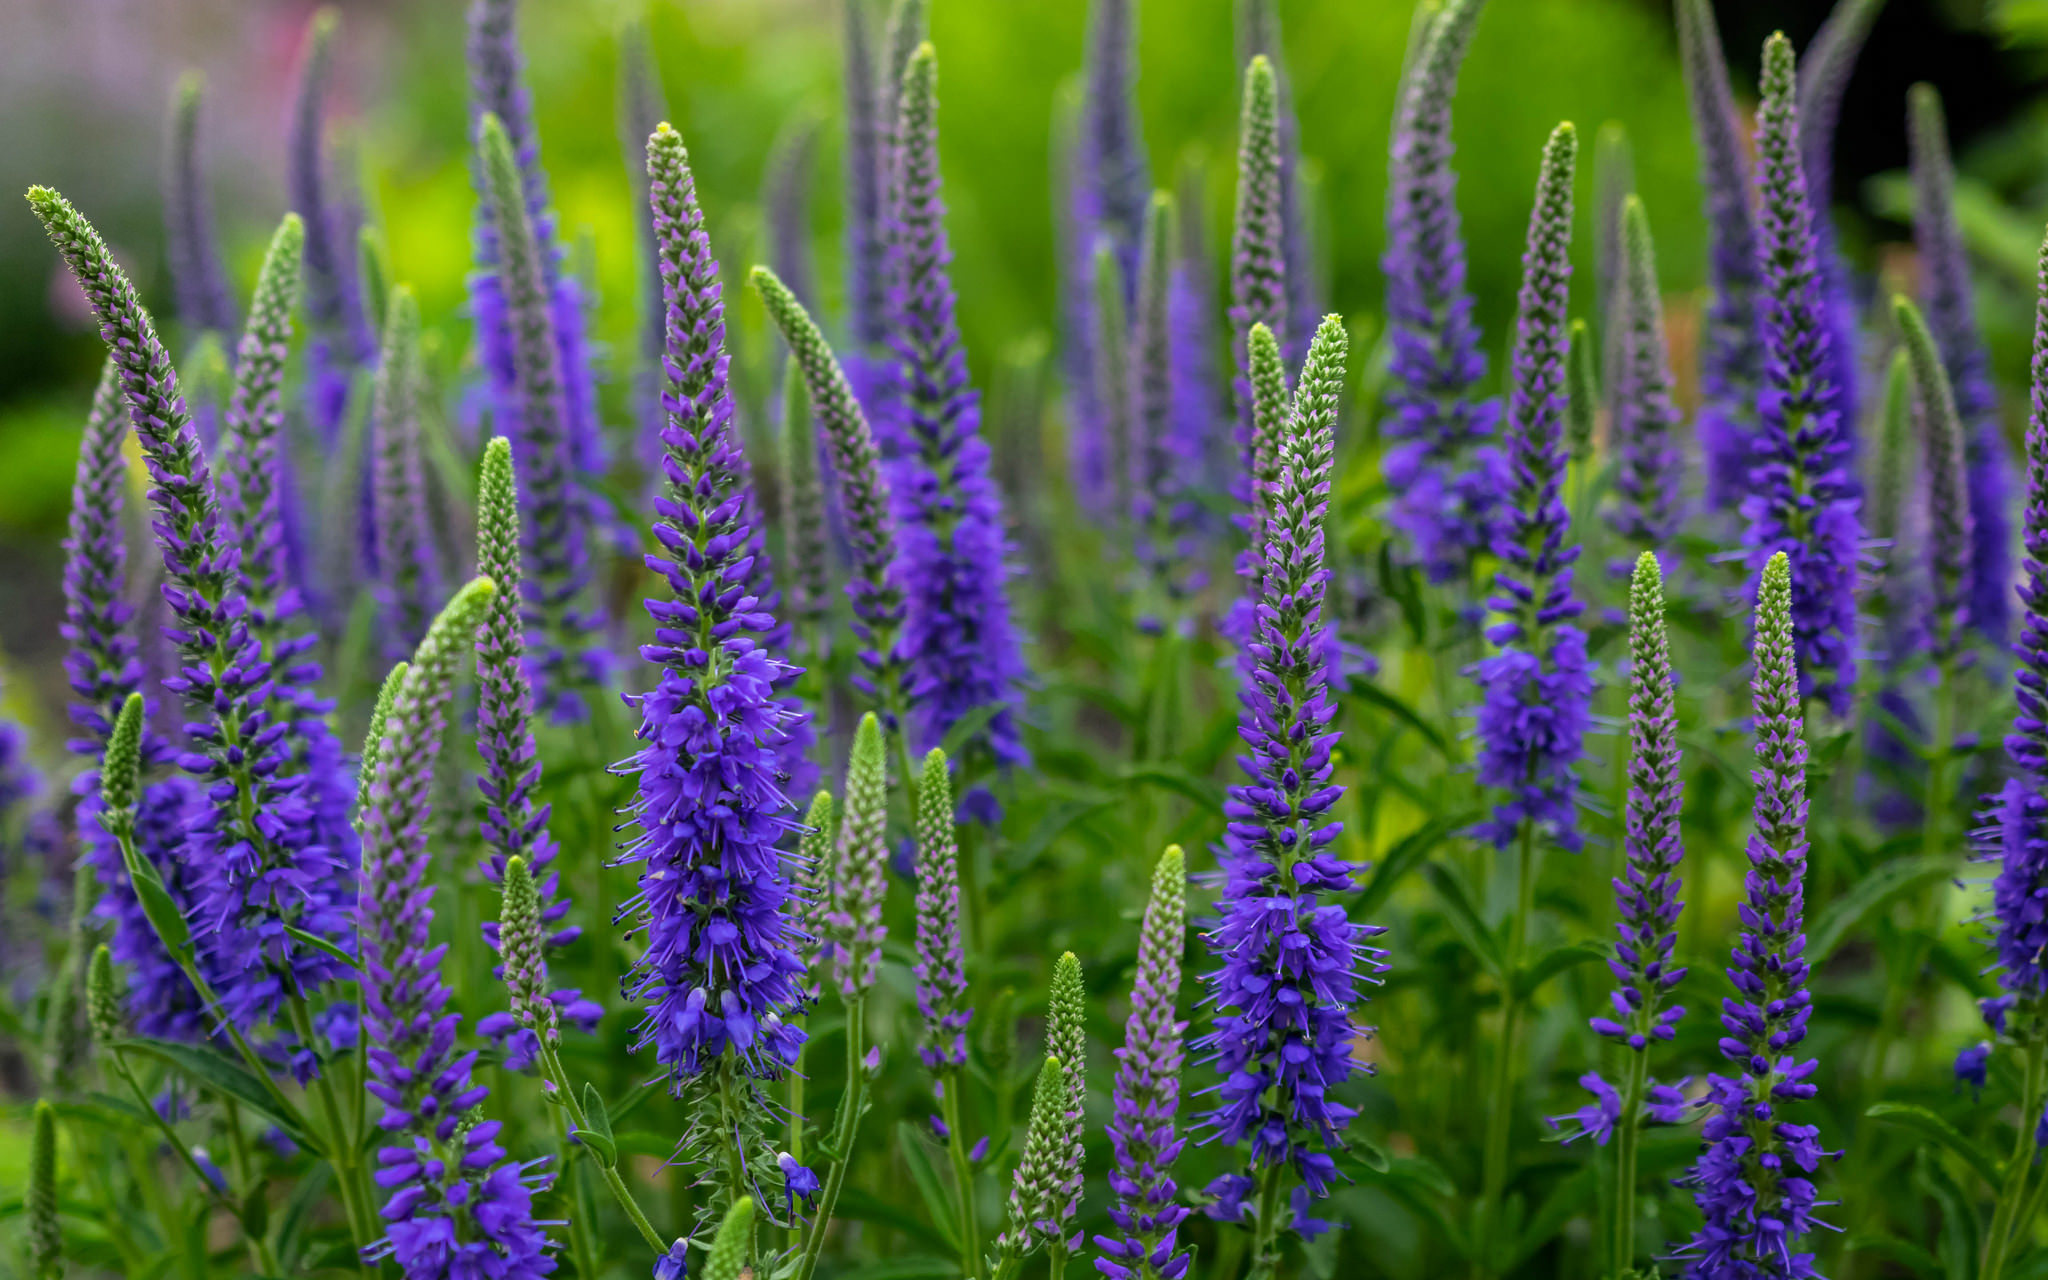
{"x":85,"y":84}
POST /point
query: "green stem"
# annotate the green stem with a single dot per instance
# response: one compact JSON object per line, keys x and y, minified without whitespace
{"x":794,"y":1100}
{"x":842,"y":1137}
{"x":341,"y":1147}
{"x":1266,"y":1231}
{"x":2006,"y":1222}
{"x":963,"y":1175}
{"x":551,"y":1068}
{"x":1627,"y":1135}
{"x":1494,"y":1175}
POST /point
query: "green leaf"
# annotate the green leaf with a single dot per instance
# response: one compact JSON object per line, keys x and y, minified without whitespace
{"x":1200,"y":791}
{"x":308,"y":1191}
{"x":907,"y":1269}
{"x":157,"y":903}
{"x":641,"y":1142}
{"x":1873,"y":892}
{"x":1464,"y":917}
{"x":1903,"y":1252}
{"x":1929,"y":1125}
{"x":968,"y":726}
{"x":637,"y":1095}
{"x":594,"y":1110}
{"x":1563,"y":1204}
{"x":215,"y":1071}
{"x":319,"y":943}
{"x":1961,"y":1228}
{"x":1368,"y":691}
{"x":1534,"y":973}
{"x":866,"y":1207}
{"x":910,"y":1144}
{"x":1413,"y":850}
{"x":600,"y":1146}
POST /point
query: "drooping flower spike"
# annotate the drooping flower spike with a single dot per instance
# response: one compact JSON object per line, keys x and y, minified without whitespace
{"x":1731,"y":352}
{"x":1802,"y":499}
{"x":254,"y":876}
{"x":1536,"y":688}
{"x":1754,"y":1180}
{"x":962,"y":653}
{"x":1446,"y":473}
{"x":457,"y":1206}
{"x":1143,"y":1130}
{"x":200,"y":285}
{"x":1951,"y":316}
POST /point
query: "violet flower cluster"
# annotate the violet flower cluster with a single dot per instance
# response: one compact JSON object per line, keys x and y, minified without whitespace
{"x":1803,"y":500}
{"x":1644,"y":434}
{"x":197,"y":281}
{"x":720,"y":971}
{"x":1754,"y":1180}
{"x":1443,"y":468}
{"x":962,"y":652}
{"x":1166,"y":462}
{"x":1287,"y":962}
{"x":1536,"y":689}
{"x":1258,"y":280}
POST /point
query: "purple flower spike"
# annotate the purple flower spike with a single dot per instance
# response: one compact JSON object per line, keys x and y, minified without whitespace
{"x":536,"y":419}
{"x":1442,"y":465}
{"x":457,"y":1206}
{"x":1951,"y":315}
{"x":720,"y":971}
{"x":342,"y":337}
{"x":1287,"y":963}
{"x":1147,"y":1095}
{"x":1165,"y":462}
{"x":1949,"y":516}
{"x":1645,"y":429}
{"x":1646,"y":896}
{"x":201,"y":286}
{"x":1754,"y":1179}
{"x":860,"y":861}
{"x":1802,"y":498}
{"x":1258,"y":35}
{"x":1536,"y":689}
{"x":1258,"y":270}
{"x":254,"y":849}
{"x":940,"y":967}
{"x":786,"y":195}
{"x":1731,"y":352}
{"x":962,"y":652}
{"x":408,"y":577}
{"x":866,"y":262}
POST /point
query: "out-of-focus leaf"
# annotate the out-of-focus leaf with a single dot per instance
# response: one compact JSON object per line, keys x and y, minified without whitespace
{"x":231,"y":1079}
{"x":1412,"y":852}
{"x":1464,"y":917}
{"x":1368,"y":691}
{"x":1534,"y":973}
{"x":1889,"y":882}
{"x":1929,"y":1125}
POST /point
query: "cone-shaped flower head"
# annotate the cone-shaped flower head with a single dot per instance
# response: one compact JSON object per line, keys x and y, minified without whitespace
{"x":2019,"y":894}
{"x":408,"y":576}
{"x":45,"y":1233}
{"x":1286,"y":962}
{"x":1951,"y":316}
{"x":1269,"y":410}
{"x":380,"y":715}
{"x":522,"y":944}
{"x":1038,"y":1188}
{"x":1646,"y":894}
{"x":733,"y":1244}
{"x":1442,"y":466}
{"x":1802,"y":500}
{"x":342,"y":334}
{"x":1066,"y":1038}
{"x":1645,"y":431}
{"x":1147,"y":1096}
{"x":536,"y":407}
{"x":875,"y":584}
{"x":1581,"y":392}
{"x":1258,"y":35}
{"x":1754,"y":1180}
{"x":720,"y":970}
{"x":1114,"y":185}
{"x":1949,"y":514}
{"x":1536,"y":688}
{"x":253,"y":849}
{"x":1166,"y":464}
{"x":860,"y":862}
{"x":201,"y":286}
{"x":941,"y":967}
{"x":1731,"y":350}
{"x":1258,"y":266}
{"x":811,"y":882}
{"x":962,"y":651}
{"x":457,"y":1206}
{"x":102,"y":997}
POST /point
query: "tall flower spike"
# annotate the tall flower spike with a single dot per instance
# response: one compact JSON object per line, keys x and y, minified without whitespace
{"x":804,"y":511}
{"x":342,"y":337}
{"x":1039,"y":1184}
{"x":1066,"y":1038}
{"x":1258,"y":35}
{"x":1581,"y":393}
{"x":1536,"y":689}
{"x":734,"y":1243}
{"x":1165,"y":463}
{"x":102,"y":659}
{"x":1287,"y":962}
{"x":408,"y":576}
{"x":1949,"y":512}
{"x":1112,"y":142}
{"x":811,"y":882}
{"x":524,"y":949}
{"x":506,"y":305}
{"x":200,"y":284}
{"x":963,"y":652}
{"x":555,"y":547}
{"x":786,"y":196}
{"x":874,"y":585}
{"x":380,"y":715}
{"x":1802,"y":498}
{"x":1645,"y":424}
{"x":1753,"y":1180}
{"x":1951,"y":315}
{"x":1269,"y":405}
{"x":941,"y":967}
{"x":1258,"y":268}
{"x":1442,"y":465}
{"x":642,"y":106}
{"x":1614,"y":181}
{"x":1147,"y":1096}
{"x":2019,"y":827}
{"x":1111,"y":368}
{"x":457,"y":1205}
{"x":866,"y":264}
{"x":860,"y":862}
{"x":720,"y":971}
{"x":1731,"y":355}
{"x":514,"y":824}
{"x":1646,"y":895}
{"x":252,"y":847}
{"x":39,"y":1202}
{"x":1201,"y":401}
